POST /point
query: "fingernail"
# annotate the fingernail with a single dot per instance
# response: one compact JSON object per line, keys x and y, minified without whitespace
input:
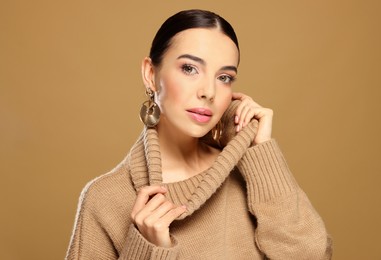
{"x":236,"y":119}
{"x":237,"y":128}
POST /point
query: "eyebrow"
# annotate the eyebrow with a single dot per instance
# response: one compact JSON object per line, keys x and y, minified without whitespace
{"x":233,"y":68}
{"x":202,"y":62}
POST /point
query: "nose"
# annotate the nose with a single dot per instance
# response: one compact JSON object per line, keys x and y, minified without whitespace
{"x":207,"y":91}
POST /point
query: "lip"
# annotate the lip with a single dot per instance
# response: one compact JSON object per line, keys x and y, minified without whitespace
{"x":200,"y":115}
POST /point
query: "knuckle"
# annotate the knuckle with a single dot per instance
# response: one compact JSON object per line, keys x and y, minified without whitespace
{"x":147,"y":222}
{"x":139,"y":222}
{"x":158,"y":226}
{"x":143,"y":191}
{"x":136,"y":217}
{"x":159,"y":197}
{"x":168,"y":204}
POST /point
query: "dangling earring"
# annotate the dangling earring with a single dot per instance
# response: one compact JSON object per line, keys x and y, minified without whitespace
{"x":150,"y":111}
{"x":217,"y":132}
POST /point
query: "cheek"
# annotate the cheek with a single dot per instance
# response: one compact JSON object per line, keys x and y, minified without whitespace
{"x":226,"y":98}
{"x":170,"y":91}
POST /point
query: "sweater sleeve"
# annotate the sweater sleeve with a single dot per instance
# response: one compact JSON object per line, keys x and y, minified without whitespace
{"x":137,"y":247}
{"x":90,"y":239}
{"x":288,"y":225}
{"x":92,"y":236}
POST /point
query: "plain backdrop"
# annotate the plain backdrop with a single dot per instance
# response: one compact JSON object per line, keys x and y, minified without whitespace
{"x":71,"y":90}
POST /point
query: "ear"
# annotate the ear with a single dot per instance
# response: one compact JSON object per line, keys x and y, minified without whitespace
{"x":148,"y":74}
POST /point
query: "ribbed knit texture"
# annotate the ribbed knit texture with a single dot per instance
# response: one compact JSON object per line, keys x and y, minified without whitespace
{"x":245,"y":206}
{"x":272,"y":179}
{"x":195,"y":191}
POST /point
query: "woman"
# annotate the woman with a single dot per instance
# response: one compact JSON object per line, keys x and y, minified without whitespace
{"x":205,"y":180}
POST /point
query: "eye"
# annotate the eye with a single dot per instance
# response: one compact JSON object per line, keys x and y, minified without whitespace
{"x":226,"y":79}
{"x":189,"y":69}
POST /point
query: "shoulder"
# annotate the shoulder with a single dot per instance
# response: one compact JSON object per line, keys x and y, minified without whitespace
{"x":109,"y":189}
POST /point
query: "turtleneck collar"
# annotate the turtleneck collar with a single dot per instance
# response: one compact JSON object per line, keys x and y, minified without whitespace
{"x":145,"y":167}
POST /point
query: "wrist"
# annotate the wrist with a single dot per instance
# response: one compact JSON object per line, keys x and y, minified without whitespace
{"x":260,"y":140}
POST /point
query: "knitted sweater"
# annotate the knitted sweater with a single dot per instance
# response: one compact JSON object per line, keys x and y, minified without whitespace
{"x":247,"y":205}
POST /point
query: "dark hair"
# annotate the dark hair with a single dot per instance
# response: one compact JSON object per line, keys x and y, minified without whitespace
{"x":184,"y":20}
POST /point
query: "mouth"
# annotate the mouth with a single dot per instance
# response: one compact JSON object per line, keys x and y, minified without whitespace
{"x":200,"y":115}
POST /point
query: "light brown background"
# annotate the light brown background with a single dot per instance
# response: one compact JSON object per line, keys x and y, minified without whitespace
{"x":70,"y":92}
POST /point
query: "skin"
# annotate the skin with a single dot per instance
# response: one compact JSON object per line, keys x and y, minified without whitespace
{"x":197,"y":71}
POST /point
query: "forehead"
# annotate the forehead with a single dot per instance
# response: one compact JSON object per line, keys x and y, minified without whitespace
{"x":209,"y":44}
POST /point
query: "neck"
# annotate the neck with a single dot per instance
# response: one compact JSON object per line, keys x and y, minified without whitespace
{"x":182,"y":156}
{"x":177,"y":146}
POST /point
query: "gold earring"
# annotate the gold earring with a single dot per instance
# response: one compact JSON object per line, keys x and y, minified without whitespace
{"x":217,"y":132}
{"x":150,"y":111}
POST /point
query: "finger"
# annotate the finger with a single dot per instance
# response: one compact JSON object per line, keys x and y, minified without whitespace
{"x":155,"y":202}
{"x":163,"y":209}
{"x":245,"y":104}
{"x":158,"y":213}
{"x":239,"y":111}
{"x":240,"y":116}
{"x":161,"y":219}
{"x":144,"y":196}
{"x":237,"y":95}
{"x":265,"y":126}
{"x":148,"y":210}
{"x":246,"y":115}
{"x":248,"y":112}
{"x":241,"y":97}
{"x":263,"y":113}
{"x":171,"y":215}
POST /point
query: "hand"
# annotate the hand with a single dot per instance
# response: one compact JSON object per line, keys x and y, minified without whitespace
{"x":249,"y":109}
{"x":153,"y":213}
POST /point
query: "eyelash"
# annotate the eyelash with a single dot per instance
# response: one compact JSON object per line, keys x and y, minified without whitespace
{"x":186,"y":69}
{"x":191,"y":70}
{"x":230,"y":79}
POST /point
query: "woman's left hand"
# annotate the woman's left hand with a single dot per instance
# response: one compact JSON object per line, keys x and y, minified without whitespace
{"x":249,"y":109}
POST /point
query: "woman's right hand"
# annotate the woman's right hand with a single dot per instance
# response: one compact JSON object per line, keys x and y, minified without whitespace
{"x":153,"y":213}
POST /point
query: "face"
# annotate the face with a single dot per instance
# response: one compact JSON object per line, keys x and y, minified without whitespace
{"x":193,"y":83}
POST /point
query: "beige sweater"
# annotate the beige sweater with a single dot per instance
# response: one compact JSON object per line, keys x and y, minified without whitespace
{"x":246,"y":206}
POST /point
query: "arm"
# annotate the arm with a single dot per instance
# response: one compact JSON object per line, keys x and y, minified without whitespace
{"x":288,"y":225}
{"x":89,"y":240}
{"x":140,"y":248}
{"x":94,"y":235}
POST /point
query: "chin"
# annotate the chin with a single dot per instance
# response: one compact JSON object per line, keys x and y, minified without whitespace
{"x":199,"y":133}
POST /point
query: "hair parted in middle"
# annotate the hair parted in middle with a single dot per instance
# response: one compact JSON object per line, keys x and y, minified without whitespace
{"x":184,"y":20}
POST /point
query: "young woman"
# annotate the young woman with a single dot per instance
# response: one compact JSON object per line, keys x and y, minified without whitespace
{"x":204,"y":180}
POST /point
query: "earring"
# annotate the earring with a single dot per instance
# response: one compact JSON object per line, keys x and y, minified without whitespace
{"x":217,"y":132}
{"x":150,"y":111}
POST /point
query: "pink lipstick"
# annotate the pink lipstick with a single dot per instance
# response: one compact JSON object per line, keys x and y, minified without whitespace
{"x":200,"y":115}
